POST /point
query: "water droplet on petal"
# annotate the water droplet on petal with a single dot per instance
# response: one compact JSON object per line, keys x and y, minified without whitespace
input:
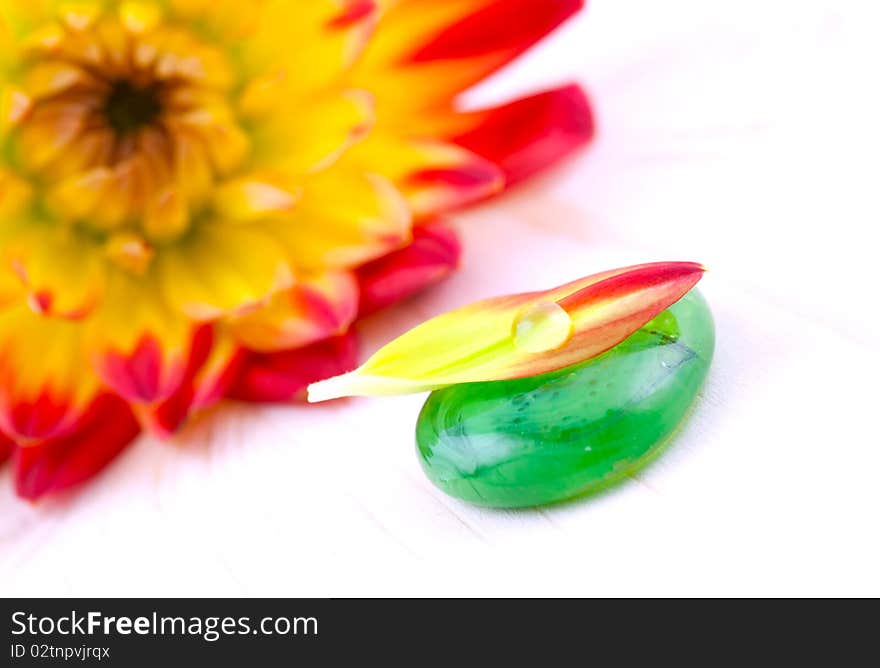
{"x":542,"y":327}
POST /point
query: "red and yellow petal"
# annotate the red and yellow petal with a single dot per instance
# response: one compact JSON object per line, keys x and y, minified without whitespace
{"x":55,"y":464}
{"x":213,"y":366}
{"x":217,"y":373}
{"x":284,"y":376}
{"x":316,"y":308}
{"x":530,"y":134}
{"x":139,"y":344}
{"x":425,"y":52}
{"x":45,"y":381}
{"x":62,"y":273}
{"x":434,"y":176}
{"x":432,"y":255}
{"x":345,"y":218}
{"x":519,"y":335}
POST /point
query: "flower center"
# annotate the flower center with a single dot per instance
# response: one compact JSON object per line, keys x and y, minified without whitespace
{"x":126,"y":126}
{"x":129,"y":108}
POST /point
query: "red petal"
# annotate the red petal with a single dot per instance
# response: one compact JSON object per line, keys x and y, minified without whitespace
{"x":504,"y":26}
{"x":56,"y":464}
{"x":166,"y":417}
{"x":436,"y":190}
{"x":200,"y":388}
{"x":426,"y":52}
{"x":42,"y":417}
{"x":151,"y":372}
{"x":353,"y":13}
{"x":530,"y":134}
{"x":138,"y":375}
{"x":433,"y":254}
{"x":275,"y":377}
{"x":7,"y":445}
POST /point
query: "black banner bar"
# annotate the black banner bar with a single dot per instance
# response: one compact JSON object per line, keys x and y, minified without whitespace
{"x":269,"y":632}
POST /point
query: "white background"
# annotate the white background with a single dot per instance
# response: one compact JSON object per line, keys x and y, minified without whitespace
{"x":740,"y":134}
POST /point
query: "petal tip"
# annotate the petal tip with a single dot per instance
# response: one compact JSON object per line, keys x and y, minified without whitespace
{"x":357,"y":384}
{"x":332,"y":388}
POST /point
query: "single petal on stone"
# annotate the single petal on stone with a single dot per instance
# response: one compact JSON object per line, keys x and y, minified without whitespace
{"x":547,"y":438}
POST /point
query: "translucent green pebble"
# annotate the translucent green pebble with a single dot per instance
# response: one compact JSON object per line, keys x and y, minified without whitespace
{"x":551,"y":437}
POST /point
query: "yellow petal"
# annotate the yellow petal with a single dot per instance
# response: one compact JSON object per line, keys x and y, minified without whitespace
{"x":103,"y":197}
{"x":316,"y":308}
{"x":226,"y":143}
{"x":79,"y":14}
{"x":167,"y":216}
{"x":307,"y":137}
{"x":15,"y":104}
{"x":48,"y":132}
{"x":225,"y":20}
{"x":344,"y":219}
{"x":130,"y":252}
{"x":192,"y":167}
{"x":11,"y":290}
{"x":62,"y":271}
{"x":20,"y":18}
{"x":251,"y":198}
{"x":519,"y":335}
{"x":314,"y":41}
{"x":15,"y":194}
{"x":140,"y":17}
{"x":46,"y":79}
{"x":219,"y":269}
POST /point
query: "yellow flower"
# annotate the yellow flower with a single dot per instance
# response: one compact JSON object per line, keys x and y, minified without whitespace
{"x":198,"y":198}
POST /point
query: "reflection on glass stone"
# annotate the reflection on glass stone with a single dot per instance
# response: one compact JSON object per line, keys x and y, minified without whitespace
{"x":551,"y":437}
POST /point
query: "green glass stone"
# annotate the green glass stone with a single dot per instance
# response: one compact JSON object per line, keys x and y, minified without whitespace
{"x":547,"y":438}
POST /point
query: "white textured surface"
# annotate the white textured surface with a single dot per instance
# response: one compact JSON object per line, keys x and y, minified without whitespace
{"x":743,"y":135}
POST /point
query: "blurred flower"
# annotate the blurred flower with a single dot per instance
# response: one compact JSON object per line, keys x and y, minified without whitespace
{"x":198,"y":198}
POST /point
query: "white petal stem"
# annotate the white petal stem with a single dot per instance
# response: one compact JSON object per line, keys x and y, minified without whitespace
{"x":354,"y":384}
